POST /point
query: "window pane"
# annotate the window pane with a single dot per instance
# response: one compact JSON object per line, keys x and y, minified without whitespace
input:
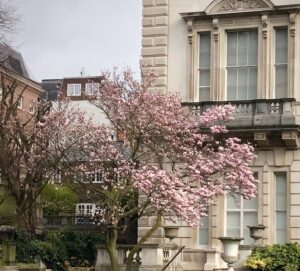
{"x":281,"y":46}
{"x":204,"y":94}
{"x":281,"y":236}
{"x":204,"y":66}
{"x":250,"y":218}
{"x":233,"y":203}
{"x":203,"y":234}
{"x":281,"y":60}
{"x":281,"y":207}
{"x":281,"y":220}
{"x":232,"y":48}
{"x":233,"y":232}
{"x":281,"y":81}
{"x":250,"y":204}
{"x":204,"y":78}
{"x":233,"y":219}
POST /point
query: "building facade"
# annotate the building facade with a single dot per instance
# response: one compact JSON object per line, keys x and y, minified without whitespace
{"x":245,"y":52}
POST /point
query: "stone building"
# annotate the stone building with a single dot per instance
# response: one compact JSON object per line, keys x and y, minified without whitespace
{"x":245,"y":52}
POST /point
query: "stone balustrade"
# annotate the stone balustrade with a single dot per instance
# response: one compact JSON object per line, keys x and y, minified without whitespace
{"x":253,"y":113}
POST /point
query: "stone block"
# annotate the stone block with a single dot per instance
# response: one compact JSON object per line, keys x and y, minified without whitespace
{"x":270,"y":158}
{"x":143,"y":222}
{"x":295,"y":199}
{"x":295,"y":210}
{"x":148,"y":21}
{"x":155,"y":31}
{"x":161,"y":81}
{"x":295,"y":222}
{"x":295,"y":187}
{"x":154,"y":51}
{"x":147,"y":3}
{"x":295,"y":234}
{"x":295,"y":166}
{"x":161,"y":41}
{"x":161,"y":2}
{"x":297,"y":155}
{"x":295,"y":176}
{"x":289,"y":158}
{"x":146,"y":42}
{"x":163,"y":20}
{"x":148,"y":61}
{"x":155,"y":11}
{"x":160,"y":71}
{"x":161,"y":61}
{"x":261,"y":158}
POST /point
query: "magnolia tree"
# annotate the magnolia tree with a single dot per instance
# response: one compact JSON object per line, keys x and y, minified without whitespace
{"x":163,"y":161}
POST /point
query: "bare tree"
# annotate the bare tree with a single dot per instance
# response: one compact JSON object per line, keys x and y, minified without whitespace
{"x":9,"y":21}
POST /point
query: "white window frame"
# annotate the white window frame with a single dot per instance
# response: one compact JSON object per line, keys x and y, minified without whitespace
{"x":276,"y":173}
{"x":31,"y":108}
{"x":204,"y":229}
{"x":20,"y":102}
{"x":74,"y":89}
{"x":96,"y":177}
{"x":275,"y":28}
{"x":227,"y":67}
{"x":84,"y":209}
{"x":91,"y":88}
{"x":199,"y":68}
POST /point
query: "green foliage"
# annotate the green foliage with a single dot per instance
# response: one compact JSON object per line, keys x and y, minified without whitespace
{"x":58,"y":248}
{"x":275,"y":257}
{"x":58,"y":199}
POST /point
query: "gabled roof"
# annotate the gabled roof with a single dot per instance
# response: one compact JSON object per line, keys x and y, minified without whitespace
{"x":13,"y":60}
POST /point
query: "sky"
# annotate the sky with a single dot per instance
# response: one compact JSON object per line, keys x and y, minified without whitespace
{"x":58,"y":38}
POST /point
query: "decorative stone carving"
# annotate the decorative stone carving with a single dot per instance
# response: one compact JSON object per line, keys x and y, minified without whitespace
{"x":190,"y":30}
{"x":228,"y":6}
{"x":238,"y":5}
{"x":292,"y":24}
{"x":264,"y":20}
{"x":216,"y":29}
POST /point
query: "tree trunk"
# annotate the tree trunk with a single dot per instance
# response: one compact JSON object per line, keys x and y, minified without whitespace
{"x":111,"y":243}
{"x":144,"y":238}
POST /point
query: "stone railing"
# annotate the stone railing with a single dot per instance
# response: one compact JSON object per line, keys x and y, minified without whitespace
{"x":68,"y":220}
{"x":253,"y":113}
{"x":150,"y":257}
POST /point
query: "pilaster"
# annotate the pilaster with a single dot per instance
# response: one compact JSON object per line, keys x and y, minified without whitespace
{"x":155,"y":40}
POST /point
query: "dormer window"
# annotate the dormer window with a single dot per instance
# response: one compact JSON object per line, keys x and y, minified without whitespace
{"x":74,"y":90}
{"x":91,"y":88}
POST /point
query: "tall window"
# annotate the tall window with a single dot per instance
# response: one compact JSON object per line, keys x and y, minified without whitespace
{"x":240,"y":214}
{"x":203,"y":231}
{"x":20,"y":102}
{"x":242,"y":49}
{"x":281,"y":207}
{"x":73,"y":89}
{"x":281,"y":62}
{"x":204,"y":66}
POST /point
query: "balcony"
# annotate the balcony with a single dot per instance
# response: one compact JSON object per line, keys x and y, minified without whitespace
{"x":264,"y":121}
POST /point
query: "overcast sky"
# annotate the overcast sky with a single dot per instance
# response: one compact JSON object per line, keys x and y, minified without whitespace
{"x":57,"y":38}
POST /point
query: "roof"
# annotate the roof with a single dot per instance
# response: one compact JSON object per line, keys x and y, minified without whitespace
{"x":51,"y":87}
{"x":13,"y":60}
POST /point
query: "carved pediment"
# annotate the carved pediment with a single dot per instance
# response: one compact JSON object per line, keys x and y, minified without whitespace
{"x":229,"y":6}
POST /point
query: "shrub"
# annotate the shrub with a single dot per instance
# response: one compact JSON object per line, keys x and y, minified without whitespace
{"x":57,"y":248}
{"x":275,"y":257}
